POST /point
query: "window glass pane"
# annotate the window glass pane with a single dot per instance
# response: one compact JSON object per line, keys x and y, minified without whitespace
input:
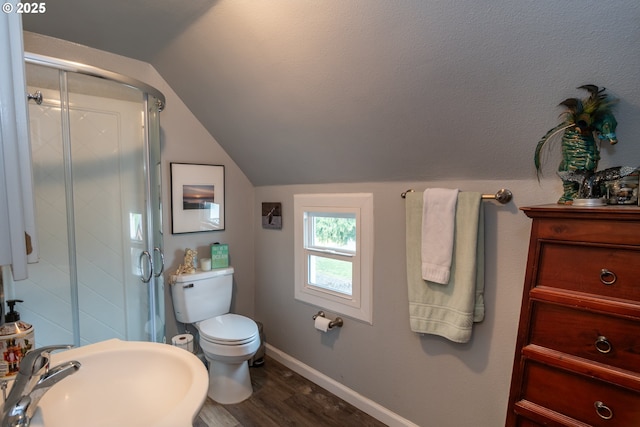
{"x":333,"y":231}
{"x":334,"y":252}
{"x":332,"y":274}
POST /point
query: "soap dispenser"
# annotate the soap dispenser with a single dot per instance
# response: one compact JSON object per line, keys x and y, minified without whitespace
{"x":16,"y":339}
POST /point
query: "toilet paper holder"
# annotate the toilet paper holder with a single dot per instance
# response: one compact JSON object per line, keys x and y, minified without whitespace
{"x":337,"y":322}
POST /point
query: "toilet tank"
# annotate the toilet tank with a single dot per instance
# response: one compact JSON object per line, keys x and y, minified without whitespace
{"x":202,"y":295}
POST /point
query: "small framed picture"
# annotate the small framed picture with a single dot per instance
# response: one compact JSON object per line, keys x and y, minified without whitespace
{"x":272,"y":216}
{"x":197,"y":198}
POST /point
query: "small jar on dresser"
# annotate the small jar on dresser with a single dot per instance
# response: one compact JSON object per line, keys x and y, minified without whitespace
{"x":577,"y":358}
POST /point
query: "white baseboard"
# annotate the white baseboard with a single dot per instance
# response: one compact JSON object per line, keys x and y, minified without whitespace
{"x":368,"y":406}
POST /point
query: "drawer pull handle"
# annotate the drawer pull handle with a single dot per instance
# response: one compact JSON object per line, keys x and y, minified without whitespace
{"x":603,"y":345}
{"x":608,"y":277}
{"x":603,"y":410}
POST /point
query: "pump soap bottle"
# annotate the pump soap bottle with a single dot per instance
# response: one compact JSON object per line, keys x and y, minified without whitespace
{"x":16,"y":339}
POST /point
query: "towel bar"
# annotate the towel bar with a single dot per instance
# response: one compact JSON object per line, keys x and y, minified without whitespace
{"x":503,"y":196}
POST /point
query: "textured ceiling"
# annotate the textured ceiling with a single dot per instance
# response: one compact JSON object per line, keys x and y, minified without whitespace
{"x":300,"y":91}
{"x":133,"y":28}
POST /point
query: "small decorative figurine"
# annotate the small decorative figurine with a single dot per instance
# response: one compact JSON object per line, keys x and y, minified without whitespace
{"x":592,"y":184}
{"x":584,"y":121}
{"x":188,"y":267}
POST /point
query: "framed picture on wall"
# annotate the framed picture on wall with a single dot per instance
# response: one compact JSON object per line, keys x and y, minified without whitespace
{"x":197,"y":198}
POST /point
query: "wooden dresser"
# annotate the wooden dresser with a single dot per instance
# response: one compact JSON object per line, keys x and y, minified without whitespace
{"x":577,"y":360}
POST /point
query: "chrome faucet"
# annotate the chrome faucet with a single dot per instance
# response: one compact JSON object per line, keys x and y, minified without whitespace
{"x":33,"y":380}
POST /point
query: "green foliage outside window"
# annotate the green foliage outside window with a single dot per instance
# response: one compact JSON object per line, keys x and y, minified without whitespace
{"x":337,"y":231}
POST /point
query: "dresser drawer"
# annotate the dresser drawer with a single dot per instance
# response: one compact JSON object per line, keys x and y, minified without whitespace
{"x":523,"y":422}
{"x":606,"y":339}
{"x":584,"y":399}
{"x":557,"y":421}
{"x":609,"y":271}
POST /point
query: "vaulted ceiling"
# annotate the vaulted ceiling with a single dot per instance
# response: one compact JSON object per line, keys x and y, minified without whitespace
{"x":302,"y":91}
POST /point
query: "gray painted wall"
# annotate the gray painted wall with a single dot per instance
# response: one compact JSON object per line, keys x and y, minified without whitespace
{"x":425,"y":379}
{"x":295,"y":91}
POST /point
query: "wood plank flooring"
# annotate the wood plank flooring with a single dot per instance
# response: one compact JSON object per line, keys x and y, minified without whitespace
{"x":280,"y":398}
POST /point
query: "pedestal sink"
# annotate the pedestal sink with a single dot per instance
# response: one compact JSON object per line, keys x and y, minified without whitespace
{"x":123,"y":383}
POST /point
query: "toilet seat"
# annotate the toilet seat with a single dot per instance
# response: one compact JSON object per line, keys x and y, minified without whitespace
{"x":228,"y":329}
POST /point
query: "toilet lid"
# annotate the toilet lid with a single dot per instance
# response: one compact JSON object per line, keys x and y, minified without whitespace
{"x":228,"y":329}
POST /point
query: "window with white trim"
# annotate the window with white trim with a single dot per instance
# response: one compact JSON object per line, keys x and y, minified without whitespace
{"x":334,"y":252}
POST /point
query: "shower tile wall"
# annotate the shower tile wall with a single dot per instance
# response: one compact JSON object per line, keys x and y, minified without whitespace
{"x":102,"y":230}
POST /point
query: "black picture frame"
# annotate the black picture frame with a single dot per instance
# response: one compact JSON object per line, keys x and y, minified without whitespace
{"x":197,"y":197}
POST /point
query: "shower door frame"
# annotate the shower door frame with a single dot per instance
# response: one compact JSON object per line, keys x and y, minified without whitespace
{"x":152,"y":267}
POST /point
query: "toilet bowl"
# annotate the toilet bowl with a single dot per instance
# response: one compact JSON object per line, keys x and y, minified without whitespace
{"x":228,"y":342}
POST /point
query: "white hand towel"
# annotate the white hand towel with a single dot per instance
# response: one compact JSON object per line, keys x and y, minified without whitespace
{"x":438,"y":225}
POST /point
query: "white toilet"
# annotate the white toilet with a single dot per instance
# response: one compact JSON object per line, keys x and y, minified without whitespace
{"x":227,"y":340}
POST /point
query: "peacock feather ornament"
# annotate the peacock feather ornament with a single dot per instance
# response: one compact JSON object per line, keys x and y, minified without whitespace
{"x":586,"y":122}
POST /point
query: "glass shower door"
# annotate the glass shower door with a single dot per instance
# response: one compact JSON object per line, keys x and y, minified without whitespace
{"x":155,"y":326}
{"x":94,"y":210}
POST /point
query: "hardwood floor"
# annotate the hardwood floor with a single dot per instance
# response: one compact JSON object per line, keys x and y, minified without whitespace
{"x":280,"y":398}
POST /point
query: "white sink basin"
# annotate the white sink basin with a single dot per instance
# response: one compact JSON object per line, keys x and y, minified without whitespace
{"x":122,"y":383}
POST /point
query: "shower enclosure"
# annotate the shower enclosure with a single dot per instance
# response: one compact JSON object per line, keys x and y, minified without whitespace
{"x":95,"y":146}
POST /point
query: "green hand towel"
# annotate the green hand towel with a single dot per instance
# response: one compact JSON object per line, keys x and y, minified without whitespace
{"x":448,"y":310}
